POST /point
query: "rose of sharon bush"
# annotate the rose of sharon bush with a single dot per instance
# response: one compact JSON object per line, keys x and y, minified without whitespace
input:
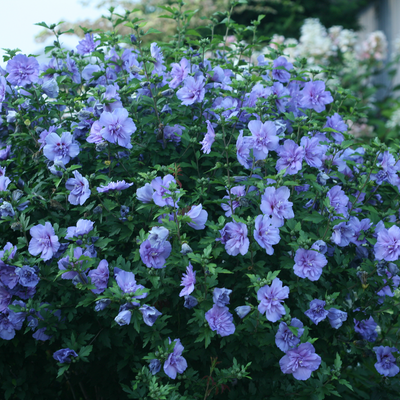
{"x":171,"y":184}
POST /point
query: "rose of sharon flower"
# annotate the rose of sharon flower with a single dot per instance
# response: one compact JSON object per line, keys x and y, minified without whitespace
{"x":60,"y":149}
{"x":274,"y":202}
{"x":317,"y":312}
{"x":188,"y":281}
{"x":300,"y":361}
{"x":160,"y":187}
{"x":338,"y":200}
{"x":309,"y":264}
{"x":285,"y":339}
{"x":270,"y":298}
{"x":315,"y":96}
{"x":387,"y":247}
{"x":291,"y":157}
{"x":336,"y":317}
{"x":264,"y":138}
{"x":221,"y":296}
{"x":79,"y":187}
{"x":44,"y":241}
{"x":386,"y":364}
{"x":175,"y":363}
{"x":64,"y":355}
{"x":198,"y":216}
{"x":119,"y":185}
{"x":193,"y":90}
{"x":265,"y":233}
{"x":234,"y":237}
{"x":209,"y":139}
{"x":22,"y":70}
{"x":155,"y":256}
{"x":99,"y":277}
{"x":367,"y":329}
{"x":118,"y":127}
{"x":127,"y":283}
{"x":150,"y":314}
{"x":220,"y":320}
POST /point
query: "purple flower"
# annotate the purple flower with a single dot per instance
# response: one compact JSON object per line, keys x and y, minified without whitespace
{"x":265,"y":233}
{"x":309,"y":264}
{"x":367,"y":329}
{"x":300,"y":361}
{"x":87,"y":45}
{"x":234,"y":237}
{"x":336,"y":317}
{"x":118,"y":127}
{"x":280,"y":74}
{"x":102,"y":304}
{"x":145,"y":193}
{"x":150,"y":314}
{"x":285,"y":339}
{"x":83,"y":227}
{"x":154,"y":366}
{"x":27,"y":276}
{"x":175,"y":363}
{"x":190,"y":302}
{"x":179,"y":72}
{"x":5,"y":298}
{"x":95,"y":135}
{"x":64,"y":355}
{"x":73,"y":268}
{"x":127,"y":283}
{"x":313,"y":151}
{"x":173,"y":133}
{"x":336,"y":122}
{"x":45,"y":133}
{"x":342,"y":234}
{"x":22,"y":70}
{"x":315,"y":96}
{"x":188,"y":281}
{"x":209,"y":139}
{"x":3,"y":87}
{"x":11,"y":321}
{"x":155,"y":257}
{"x":161,"y":188}
{"x":79,"y":187}
{"x":243,"y":146}
{"x":338,"y":200}
{"x":8,"y":275}
{"x":274,"y":202}
{"x":221,"y":296}
{"x":119,"y":185}
{"x":387,"y":247}
{"x":193,"y":90}
{"x":317,"y":312}
{"x":44,"y":241}
{"x":156,"y":53}
{"x":386,"y":364}
{"x":270,"y":298}
{"x":198,"y":216}
{"x":123,"y":317}
{"x":60,"y":149}
{"x":233,"y":201}
{"x":4,"y":182}
{"x":220,"y":320}
{"x":242,"y":311}
{"x":99,"y":277}
{"x":291,"y":157}
{"x":264,"y":138}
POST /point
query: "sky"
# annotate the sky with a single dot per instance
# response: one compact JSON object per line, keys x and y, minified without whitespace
{"x":17,"y":19}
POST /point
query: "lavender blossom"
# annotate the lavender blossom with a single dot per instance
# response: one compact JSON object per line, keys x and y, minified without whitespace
{"x":188,"y":281}
{"x":313,"y":151}
{"x":179,"y":72}
{"x":209,"y":139}
{"x":27,"y":276}
{"x":155,"y":257}
{"x":160,"y":187}
{"x":145,"y":193}
{"x":386,"y":364}
{"x":285,"y":339}
{"x":112,"y":186}
{"x":79,"y":187}
{"x":118,"y":127}
{"x":123,"y":317}
{"x":154,"y":366}
{"x":198,"y":216}
{"x":274,"y":203}
{"x":243,"y":146}
{"x":264,"y":138}
{"x":315,"y":96}
{"x":367,"y":329}
{"x":336,"y":317}
{"x":300,"y":362}
{"x":266,"y":234}
{"x":150,"y":314}
{"x":83,"y":227}
{"x":60,"y":149}
{"x":291,"y":157}
{"x":64,"y":355}
{"x":309,"y":264}
{"x":44,"y":241}
{"x":387,"y":247}
{"x":22,"y":70}
{"x":99,"y":277}
{"x":87,"y":45}
{"x":338,"y":200}
{"x":190,"y":302}
{"x":175,"y":363}
{"x":193,"y":90}
{"x":242,"y":311}
{"x":280,"y":74}
{"x":220,"y":320}
{"x":270,"y":298}
{"x":336,"y":122}
{"x":317,"y":312}
{"x":127,"y":283}
{"x":234,"y":237}
{"x":221,"y":296}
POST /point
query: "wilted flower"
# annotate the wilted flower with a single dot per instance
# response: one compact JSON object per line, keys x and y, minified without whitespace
{"x":150,"y":314}
{"x":336,"y":317}
{"x":64,"y":355}
{"x":119,"y":185}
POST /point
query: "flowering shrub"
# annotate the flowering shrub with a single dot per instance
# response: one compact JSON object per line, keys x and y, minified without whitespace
{"x":173,"y":225}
